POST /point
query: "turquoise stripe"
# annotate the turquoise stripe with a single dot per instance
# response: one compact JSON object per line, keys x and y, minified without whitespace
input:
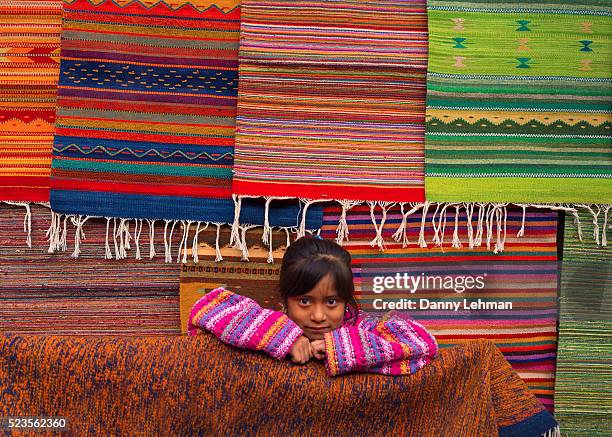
{"x":165,"y":170}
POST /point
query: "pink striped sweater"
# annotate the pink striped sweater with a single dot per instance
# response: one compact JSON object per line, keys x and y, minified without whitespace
{"x":391,"y":346}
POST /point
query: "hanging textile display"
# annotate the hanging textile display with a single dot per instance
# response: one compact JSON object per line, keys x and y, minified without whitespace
{"x":331,"y":100}
{"x":29,"y":55}
{"x":146,"y":117}
{"x":519,"y":102}
{"x":462,"y":293}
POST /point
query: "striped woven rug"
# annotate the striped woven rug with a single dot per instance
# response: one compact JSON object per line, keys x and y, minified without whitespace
{"x":524,"y":274}
{"x":331,"y":100}
{"x":29,"y":56}
{"x":519,"y":101}
{"x":583,"y":399}
{"x":42,"y":293}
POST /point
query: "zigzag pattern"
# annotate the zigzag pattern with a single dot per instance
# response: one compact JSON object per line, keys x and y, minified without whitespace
{"x":148,"y":152}
{"x":222,"y":6}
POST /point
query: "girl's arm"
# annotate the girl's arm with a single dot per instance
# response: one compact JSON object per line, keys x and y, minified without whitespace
{"x":241,"y":322}
{"x":393,"y":347}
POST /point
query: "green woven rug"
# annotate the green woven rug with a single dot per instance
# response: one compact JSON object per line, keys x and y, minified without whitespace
{"x":583,"y":398}
{"x":519,"y":101}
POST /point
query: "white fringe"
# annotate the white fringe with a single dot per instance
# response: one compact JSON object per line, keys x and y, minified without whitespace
{"x":379,"y":240}
{"x":307,"y":203}
{"x":401,"y":235}
{"x":422,"y":242}
{"x":553,"y":432}
{"x":151,"y":238}
{"x":342,"y":231}
{"x":218,"y":256}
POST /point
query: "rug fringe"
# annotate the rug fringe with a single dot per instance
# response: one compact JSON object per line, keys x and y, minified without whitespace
{"x":553,"y":432}
{"x":488,"y":225}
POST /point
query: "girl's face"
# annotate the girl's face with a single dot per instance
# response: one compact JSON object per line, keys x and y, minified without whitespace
{"x":318,"y":311}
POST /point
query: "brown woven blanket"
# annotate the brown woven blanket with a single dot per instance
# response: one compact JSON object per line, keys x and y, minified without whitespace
{"x":197,"y":385}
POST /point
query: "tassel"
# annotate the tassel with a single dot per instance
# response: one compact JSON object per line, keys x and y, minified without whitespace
{"x":108,"y":254}
{"x":479,"y":227}
{"x":442,"y":224}
{"x":284,"y":228}
{"x":243,"y":242}
{"x":307,"y":203}
{"x":63,"y":242}
{"x":422,"y":242}
{"x":266,"y":236}
{"x":379,"y":240}
{"x":27,"y":219}
{"x":115,"y":238}
{"x":137,"y":232}
{"x":79,"y":235}
{"x":595,"y":221}
{"x":469,"y":212}
{"x":521,"y":231}
{"x":27,"y":225}
{"x":54,"y":231}
{"x":218,"y":256}
{"x":168,"y":257}
{"x":489,"y":223}
{"x":235,"y":234}
{"x":270,"y":249}
{"x":128,"y":236}
{"x":184,"y":243}
{"x":604,"y":228}
{"x":342,"y":231}
{"x":436,"y":229}
{"x":402,"y":232}
{"x":151,"y":238}
{"x":196,"y":244}
{"x":456,"y":241}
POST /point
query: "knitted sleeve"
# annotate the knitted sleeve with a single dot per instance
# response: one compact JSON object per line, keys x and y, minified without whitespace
{"x":241,"y":322}
{"x":392,"y":347}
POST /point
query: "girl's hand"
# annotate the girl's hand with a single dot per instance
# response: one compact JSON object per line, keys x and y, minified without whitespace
{"x":317,"y":349}
{"x":300,"y":352}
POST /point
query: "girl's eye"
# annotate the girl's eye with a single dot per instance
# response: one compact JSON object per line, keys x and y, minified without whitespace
{"x":304,"y":301}
{"x":332,"y":301}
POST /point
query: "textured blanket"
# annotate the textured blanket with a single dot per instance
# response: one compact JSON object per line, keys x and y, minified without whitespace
{"x":29,"y":60}
{"x":186,"y":386}
{"x":331,"y":99}
{"x":146,"y":112}
{"x":519,"y":101}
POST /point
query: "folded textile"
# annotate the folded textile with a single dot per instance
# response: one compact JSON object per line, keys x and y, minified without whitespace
{"x":29,"y":44}
{"x":331,"y":100}
{"x":146,"y":113}
{"x":519,"y":101}
{"x":197,"y":385}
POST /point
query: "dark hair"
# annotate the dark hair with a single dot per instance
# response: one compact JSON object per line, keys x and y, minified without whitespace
{"x":308,"y":260}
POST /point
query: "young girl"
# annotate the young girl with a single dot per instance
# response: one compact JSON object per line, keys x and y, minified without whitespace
{"x":321,"y":320}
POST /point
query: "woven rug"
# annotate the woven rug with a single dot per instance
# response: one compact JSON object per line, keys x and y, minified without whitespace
{"x":42,"y":293}
{"x":469,"y":390}
{"x":583,"y":401}
{"x":29,"y":56}
{"x":519,"y":101}
{"x":331,"y":100}
{"x":146,"y":112}
{"x":525,"y":274}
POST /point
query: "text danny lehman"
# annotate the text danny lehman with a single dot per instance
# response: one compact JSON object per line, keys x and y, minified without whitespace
{"x":447,"y":305}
